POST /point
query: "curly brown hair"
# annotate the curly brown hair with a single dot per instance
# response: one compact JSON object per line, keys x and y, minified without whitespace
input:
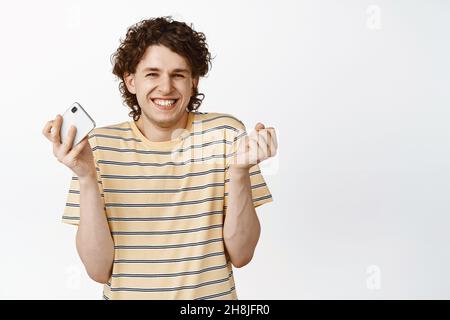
{"x":175,"y":35}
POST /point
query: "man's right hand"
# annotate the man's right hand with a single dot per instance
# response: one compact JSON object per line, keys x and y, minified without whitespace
{"x":79,"y":159}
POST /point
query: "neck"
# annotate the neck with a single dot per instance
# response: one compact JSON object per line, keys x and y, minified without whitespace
{"x":156,"y":133}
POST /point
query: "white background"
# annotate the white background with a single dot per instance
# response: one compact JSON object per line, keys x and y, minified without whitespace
{"x":359,"y":94}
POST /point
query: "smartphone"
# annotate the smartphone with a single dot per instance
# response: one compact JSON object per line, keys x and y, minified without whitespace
{"x":79,"y":118}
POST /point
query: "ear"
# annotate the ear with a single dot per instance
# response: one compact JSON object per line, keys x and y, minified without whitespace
{"x":194,"y":84}
{"x":129,"y":82}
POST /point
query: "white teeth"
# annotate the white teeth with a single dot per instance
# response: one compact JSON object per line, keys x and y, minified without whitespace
{"x":164,"y":103}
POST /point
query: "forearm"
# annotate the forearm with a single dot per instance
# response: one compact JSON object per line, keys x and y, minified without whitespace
{"x":95,"y":245}
{"x":241,"y":228}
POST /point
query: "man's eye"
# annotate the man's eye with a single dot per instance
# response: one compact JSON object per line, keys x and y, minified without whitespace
{"x":155,"y":74}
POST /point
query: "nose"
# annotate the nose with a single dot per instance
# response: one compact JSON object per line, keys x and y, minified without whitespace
{"x":165,"y":85}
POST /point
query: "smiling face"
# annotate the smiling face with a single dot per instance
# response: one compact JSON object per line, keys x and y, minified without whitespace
{"x":163,"y":86}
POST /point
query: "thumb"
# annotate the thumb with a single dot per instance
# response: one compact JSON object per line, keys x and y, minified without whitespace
{"x":259,"y":126}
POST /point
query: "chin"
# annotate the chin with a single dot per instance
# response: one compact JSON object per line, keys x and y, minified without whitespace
{"x":163,"y":118}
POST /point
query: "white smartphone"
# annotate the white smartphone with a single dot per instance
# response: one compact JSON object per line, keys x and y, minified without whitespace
{"x":78,"y":117}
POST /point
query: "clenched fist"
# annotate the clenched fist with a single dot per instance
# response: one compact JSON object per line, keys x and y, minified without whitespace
{"x":258,"y":146}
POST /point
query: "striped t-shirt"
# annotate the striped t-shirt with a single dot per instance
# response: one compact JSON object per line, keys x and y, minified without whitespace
{"x":165,"y":204}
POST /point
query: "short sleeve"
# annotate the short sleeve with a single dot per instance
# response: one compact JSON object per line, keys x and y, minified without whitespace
{"x":260,"y":191}
{"x":71,"y":213}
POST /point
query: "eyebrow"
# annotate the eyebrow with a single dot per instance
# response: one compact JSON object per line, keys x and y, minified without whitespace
{"x":179,"y":70}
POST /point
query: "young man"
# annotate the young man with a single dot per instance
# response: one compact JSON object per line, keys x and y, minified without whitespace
{"x":165,"y":203}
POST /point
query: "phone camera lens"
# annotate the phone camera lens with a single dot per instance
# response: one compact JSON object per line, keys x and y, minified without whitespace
{"x":74,"y":109}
